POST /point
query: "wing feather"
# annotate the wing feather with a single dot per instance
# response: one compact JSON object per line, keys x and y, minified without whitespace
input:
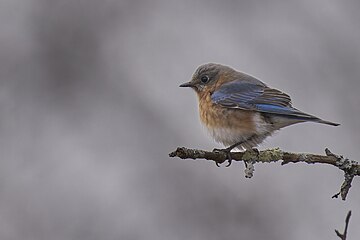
{"x":255,"y":97}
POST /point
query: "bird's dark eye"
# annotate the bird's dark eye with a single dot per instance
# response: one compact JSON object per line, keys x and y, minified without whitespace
{"x":204,"y":79}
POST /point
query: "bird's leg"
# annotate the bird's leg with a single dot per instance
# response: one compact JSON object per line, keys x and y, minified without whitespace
{"x":227,"y":151}
{"x":255,"y":150}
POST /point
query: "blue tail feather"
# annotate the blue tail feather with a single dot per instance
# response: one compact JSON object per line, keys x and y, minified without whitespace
{"x":292,"y":113}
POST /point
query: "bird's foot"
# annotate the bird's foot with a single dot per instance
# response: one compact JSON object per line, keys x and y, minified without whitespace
{"x":227,"y":151}
{"x":255,"y":150}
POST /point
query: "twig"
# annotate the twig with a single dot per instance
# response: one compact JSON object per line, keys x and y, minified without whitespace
{"x":350,"y":168}
{"x":342,"y":236}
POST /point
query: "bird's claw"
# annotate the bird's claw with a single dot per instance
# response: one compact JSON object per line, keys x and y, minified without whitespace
{"x":228,"y":154}
{"x":255,"y":150}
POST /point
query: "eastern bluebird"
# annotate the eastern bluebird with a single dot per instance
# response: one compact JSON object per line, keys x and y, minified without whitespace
{"x":239,"y":110}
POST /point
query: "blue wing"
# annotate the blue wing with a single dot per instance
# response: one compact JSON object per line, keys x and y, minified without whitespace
{"x":255,"y":97}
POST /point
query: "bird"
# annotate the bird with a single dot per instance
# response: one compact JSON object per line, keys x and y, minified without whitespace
{"x":239,"y":110}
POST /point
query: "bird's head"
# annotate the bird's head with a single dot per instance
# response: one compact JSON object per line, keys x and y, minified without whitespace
{"x":207,"y":77}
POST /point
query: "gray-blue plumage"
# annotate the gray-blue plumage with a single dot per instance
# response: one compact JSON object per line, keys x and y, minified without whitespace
{"x":256,"y":96}
{"x":242,"y":111}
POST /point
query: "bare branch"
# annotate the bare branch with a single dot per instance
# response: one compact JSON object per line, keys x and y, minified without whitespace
{"x":350,"y":168}
{"x":342,"y":236}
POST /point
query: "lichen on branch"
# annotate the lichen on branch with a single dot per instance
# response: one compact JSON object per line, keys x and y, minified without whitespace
{"x":250,"y":157}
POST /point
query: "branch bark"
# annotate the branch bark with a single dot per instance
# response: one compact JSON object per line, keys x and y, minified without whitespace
{"x":343,"y":236}
{"x":349,"y":167}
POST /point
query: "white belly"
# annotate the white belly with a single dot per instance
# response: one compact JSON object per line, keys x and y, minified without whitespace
{"x":230,"y":136}
{"x":227,"y":136}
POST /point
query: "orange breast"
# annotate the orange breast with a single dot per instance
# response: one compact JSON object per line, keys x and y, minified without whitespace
{"x":215,"y":116}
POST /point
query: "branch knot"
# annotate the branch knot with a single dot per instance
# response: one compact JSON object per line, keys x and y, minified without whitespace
{"x":250,"y":157}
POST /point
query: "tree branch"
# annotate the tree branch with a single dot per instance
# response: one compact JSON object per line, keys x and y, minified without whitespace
{"x":351,"y":168}
{"x":342,"y":236}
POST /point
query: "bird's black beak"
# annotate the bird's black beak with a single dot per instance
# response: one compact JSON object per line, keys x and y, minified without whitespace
{"x":188,"y":84}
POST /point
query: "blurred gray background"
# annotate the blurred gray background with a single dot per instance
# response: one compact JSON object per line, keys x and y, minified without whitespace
{"x":90,"y":108}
